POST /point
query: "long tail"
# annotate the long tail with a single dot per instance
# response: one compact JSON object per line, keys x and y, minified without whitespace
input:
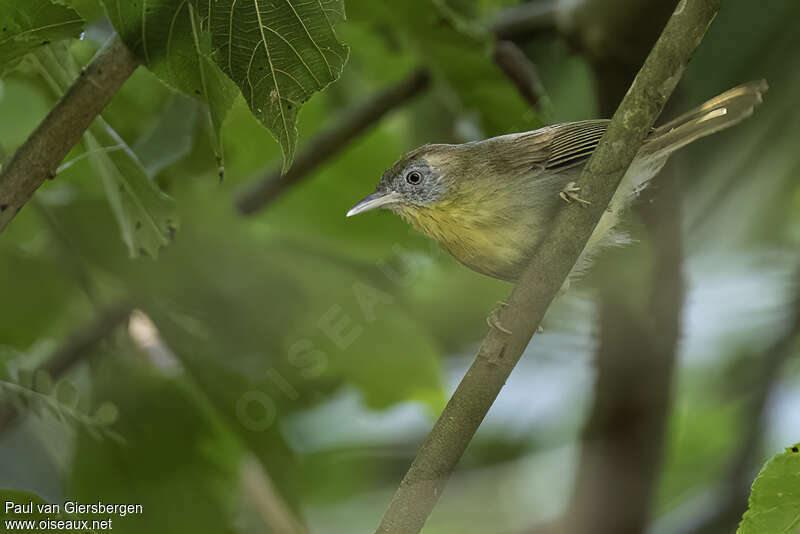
{"x":717,"y":114}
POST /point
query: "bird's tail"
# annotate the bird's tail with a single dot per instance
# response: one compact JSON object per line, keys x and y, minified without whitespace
{"x":717,"y":114}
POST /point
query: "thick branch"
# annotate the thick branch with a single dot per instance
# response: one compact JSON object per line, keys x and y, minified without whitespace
{"x":423,"y":483}
{"x":38,"y":158}
{"x":331,"y":141}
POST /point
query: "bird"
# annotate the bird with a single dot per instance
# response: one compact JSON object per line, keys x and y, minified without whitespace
{"x":488,"y":203}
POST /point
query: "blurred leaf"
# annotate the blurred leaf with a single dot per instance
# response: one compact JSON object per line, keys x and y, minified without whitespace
{"x":106,"y":414}
{"x":279,"y":54}
{"x":66,"y":393}
{"x":146,"y":216}
{"x":459,"y":54}
{"x":42,"y":382}
{"x":170,"y":138}
{"x":29,"y":24}
{"x":172,"y":40}
{"x":177,"y":461}
{"x":39,"y":296}
{"x":774,"y":504}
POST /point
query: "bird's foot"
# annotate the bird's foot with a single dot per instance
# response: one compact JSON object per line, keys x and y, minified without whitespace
{"x":570,"y":193}
{"x":494,"y":322}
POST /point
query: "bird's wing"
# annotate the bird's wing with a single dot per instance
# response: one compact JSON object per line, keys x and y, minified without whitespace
{"x":573,"y":142}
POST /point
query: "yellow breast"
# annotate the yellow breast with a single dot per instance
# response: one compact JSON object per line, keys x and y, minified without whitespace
{"x":481,"y":236}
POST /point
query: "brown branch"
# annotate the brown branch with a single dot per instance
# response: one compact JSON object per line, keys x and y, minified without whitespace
{"x":622,"y":443}
{"x":38,"y":158}
{"x":76,"y":348}
{"x":331,"y":141}
{"x":520,"y":70}
{"x":623,"y":437}
{"x":425,"y":480}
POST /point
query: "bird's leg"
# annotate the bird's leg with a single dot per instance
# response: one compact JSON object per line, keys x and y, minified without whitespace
{"x":494,"y":322}
{"x":570,"y":193}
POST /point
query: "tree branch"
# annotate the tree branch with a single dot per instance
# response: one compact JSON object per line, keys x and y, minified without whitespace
{"x":520,"y":70}
{"x":640,"y":326}
{"x":75,"y":348}
{"x":423,"y":483}
{"x":331,"y":141}
{"x":38,"y":158}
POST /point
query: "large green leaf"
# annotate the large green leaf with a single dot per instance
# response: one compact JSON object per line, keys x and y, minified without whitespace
{"x":145,"y":215}
{"x":170,"y":37}
{"x":29,"y":24}
{"x":775,"y":499}
{"x":278,"y":53}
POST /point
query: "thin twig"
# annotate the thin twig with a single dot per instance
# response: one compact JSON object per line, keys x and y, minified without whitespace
{"x":572,"y":226}
{"x":331,"y":141}
{"x":39,"y":157}
{"x":520,"y":70}
{"x":76,"y":347}
{"x":264,"y":496}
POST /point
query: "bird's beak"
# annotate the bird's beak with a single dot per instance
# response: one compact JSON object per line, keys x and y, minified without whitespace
{"x":375,"y":200}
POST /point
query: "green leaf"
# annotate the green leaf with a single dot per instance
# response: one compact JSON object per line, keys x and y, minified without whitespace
{"x":774,"y":506}
{"x":170,"y":137}
{"x":172,"y":40}
{"x":30,"y":24}
{"x":279,"y":54}
{"x":146,"y":216}
{"x":106,"y":414}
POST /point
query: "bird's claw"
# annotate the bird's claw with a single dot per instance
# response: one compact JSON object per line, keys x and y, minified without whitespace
{"x":493,"y":321}
{"x":570,"y":193}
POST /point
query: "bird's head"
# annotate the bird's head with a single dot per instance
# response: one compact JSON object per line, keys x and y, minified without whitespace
{"x":421,"y":179}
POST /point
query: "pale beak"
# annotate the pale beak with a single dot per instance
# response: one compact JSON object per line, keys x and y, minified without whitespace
{"x":375,"y":200}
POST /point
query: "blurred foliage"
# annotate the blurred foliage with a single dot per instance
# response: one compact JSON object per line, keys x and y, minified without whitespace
{"x":298,"y":314}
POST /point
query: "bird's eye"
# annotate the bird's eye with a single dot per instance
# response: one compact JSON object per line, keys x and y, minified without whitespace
{"x":413,"y":177}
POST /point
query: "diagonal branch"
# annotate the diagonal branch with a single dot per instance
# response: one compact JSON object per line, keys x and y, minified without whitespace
{"x":76,"y":348}
{"x":38,"y":158}
{"x":520,"y":71}
{"x":423,"y":483}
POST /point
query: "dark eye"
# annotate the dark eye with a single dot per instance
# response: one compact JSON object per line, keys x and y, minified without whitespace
{"x":413,"y":177}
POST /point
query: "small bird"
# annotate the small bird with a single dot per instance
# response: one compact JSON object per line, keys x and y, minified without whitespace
{"x":488,"y":203}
